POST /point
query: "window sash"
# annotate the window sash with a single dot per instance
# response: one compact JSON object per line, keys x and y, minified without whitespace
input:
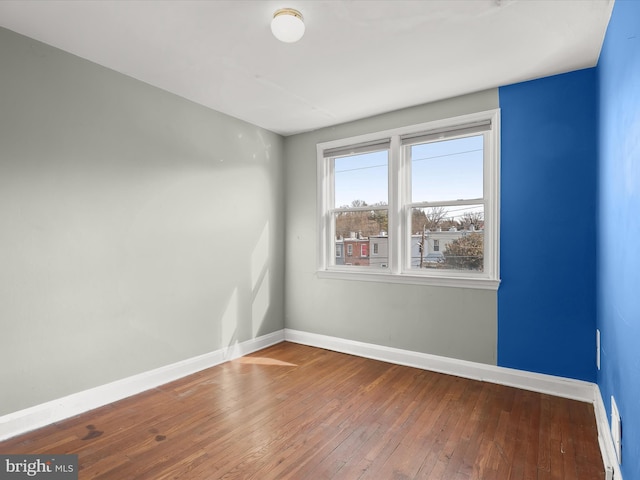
{"x":365,"y":147}
{"x":446,"y":133}
{"x":368,"y":208}
{"x":399,"y":208}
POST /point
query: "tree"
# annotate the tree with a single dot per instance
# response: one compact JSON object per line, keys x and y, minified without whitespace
{"x":466,"y":253}
{"x":435,"y":217}
{"x":381,"y":218}
{"x":363,"y":222}
{"x":418,"y":220}
{"x":473,"y":218}
{"x":427,"y":218}
{"x":358,"y":203}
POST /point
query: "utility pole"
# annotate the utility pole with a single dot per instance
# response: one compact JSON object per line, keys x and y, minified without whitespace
{"x":424,"y":227}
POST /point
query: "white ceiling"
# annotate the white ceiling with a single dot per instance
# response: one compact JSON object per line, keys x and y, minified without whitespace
{"x":358,"y":57}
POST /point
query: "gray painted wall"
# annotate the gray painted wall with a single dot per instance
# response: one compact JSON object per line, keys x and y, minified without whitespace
{"x":452,"y":322}
{"x":137,"y":229}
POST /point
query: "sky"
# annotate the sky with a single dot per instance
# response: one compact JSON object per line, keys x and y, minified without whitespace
{"x":441,"y":171}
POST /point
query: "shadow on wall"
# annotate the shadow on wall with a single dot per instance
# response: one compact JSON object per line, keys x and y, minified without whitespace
{"x":260,"y":281}
{"x":260,"y":298}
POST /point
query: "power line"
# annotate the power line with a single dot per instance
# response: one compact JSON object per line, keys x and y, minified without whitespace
{"x":445,"y":155}
{"x":413,"y":160}
{"x":360,"y":168}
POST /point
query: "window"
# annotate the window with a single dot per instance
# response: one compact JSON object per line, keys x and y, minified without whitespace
{"x":338,"y":250}
{"x":433,"y":185}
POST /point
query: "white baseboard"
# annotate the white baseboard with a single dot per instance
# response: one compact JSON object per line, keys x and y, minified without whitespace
{"x":537,"y":382}
{"x":46,"y":413}
{"x":605,"y":440}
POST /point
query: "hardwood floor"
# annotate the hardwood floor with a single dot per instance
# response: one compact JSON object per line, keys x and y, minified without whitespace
{"x":297,"y":412}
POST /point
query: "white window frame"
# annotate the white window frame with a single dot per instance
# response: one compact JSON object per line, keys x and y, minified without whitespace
{"x":399,"y":242}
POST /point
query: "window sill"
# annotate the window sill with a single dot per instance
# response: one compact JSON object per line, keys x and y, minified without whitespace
{"x":439,"y":281}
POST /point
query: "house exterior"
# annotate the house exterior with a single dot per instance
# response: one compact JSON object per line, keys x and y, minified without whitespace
{"x":436,"y":243}
{"x":379,"y":250}
{"x":356,"y":250}
{"x":340,"y":251}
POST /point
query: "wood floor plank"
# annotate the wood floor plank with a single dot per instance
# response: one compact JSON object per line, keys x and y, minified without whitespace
{"x":297,"y":412}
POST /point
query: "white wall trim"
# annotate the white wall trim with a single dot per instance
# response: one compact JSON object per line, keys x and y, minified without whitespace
{"x":44,"y":414}
{"x":408,"y":279}
{"x":537,"y":382}
{"x":38,"y":416}
{"x":399,"y":270}
{"x":605,"y":440}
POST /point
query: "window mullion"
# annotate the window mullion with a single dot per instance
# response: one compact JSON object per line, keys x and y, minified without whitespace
{"x":399,"y":248}
{"x":396,"y":177}
{"x":405,"y":161}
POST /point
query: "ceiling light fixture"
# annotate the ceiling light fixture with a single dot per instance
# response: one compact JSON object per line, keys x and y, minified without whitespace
{"x":287,"y":25}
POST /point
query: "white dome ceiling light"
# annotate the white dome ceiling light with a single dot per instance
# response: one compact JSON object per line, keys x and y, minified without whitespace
{"x":287,"y":25}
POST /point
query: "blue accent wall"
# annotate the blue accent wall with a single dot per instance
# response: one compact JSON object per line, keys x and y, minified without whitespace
{"x":619,"y":226}
{"x":547,"y":298}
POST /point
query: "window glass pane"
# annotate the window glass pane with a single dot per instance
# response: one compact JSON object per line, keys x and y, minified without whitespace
{"x":448,"y":238}
{"x":360,"y":233}
{"x":437,"y":211}
{"x":447,"y":170}
{"x":362,"y":179}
